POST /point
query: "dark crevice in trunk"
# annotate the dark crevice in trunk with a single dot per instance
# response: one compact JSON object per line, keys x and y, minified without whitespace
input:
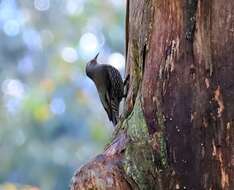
{"x":191,"y":7}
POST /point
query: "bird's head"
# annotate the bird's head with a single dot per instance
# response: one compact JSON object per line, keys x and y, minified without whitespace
{"x":90,"y":66}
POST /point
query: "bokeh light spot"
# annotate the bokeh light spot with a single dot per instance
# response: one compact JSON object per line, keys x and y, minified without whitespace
{"x":47,"y":85}
{"x":32,"y":39}
{"x":13,"y":87}
{"x":25,"y":65}
{"x":12,"y":105}
{"x":74,"y":7}
{"x":42,"y":113}
{"x":88,"y":44}
{"x":57,"y":106}
{"x":42,"y":5}
{"x":117,"y":60}
{"x":69,"y":54}
{"x":11,"y":28}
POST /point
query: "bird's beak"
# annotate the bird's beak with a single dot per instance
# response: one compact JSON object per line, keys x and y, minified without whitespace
{"x":95,"y":58}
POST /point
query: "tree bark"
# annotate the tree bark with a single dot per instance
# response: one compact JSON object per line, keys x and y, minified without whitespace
{"x":177,"y":129}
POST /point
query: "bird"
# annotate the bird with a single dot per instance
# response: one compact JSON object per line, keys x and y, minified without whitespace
{"x":110,"y":86}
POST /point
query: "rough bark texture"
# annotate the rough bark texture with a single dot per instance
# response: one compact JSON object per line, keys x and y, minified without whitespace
{"x":177,"y":130}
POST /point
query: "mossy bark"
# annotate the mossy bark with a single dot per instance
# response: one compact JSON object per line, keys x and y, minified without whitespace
{"x":177,"y":129}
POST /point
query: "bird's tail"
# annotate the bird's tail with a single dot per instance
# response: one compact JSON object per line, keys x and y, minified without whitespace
{"x":115,"y":112}
{"x":114,"y":120}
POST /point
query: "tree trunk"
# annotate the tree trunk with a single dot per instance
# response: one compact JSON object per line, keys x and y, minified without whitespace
{"x":177,"y":130}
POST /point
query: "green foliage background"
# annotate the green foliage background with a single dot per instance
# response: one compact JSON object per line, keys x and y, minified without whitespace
{"x":51,"y":119}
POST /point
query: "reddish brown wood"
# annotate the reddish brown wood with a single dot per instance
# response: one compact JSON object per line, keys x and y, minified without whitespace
{"x":180,"y":58}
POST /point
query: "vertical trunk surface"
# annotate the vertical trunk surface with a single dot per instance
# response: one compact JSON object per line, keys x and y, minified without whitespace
{"x":177,"y":129}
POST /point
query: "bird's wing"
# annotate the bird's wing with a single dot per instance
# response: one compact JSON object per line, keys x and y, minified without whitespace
{"x":115,"y":90}
{"x":108,"y":107}
{"x":106,"y":102}
{"x":115,"y":110}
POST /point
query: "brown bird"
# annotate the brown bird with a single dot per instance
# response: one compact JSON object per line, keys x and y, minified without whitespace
{"x":110,"y":86}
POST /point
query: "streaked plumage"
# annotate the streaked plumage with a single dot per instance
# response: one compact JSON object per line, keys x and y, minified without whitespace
{"x":109,"y":85}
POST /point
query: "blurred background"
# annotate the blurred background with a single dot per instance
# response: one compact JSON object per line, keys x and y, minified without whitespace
{"x":51,"y":119}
